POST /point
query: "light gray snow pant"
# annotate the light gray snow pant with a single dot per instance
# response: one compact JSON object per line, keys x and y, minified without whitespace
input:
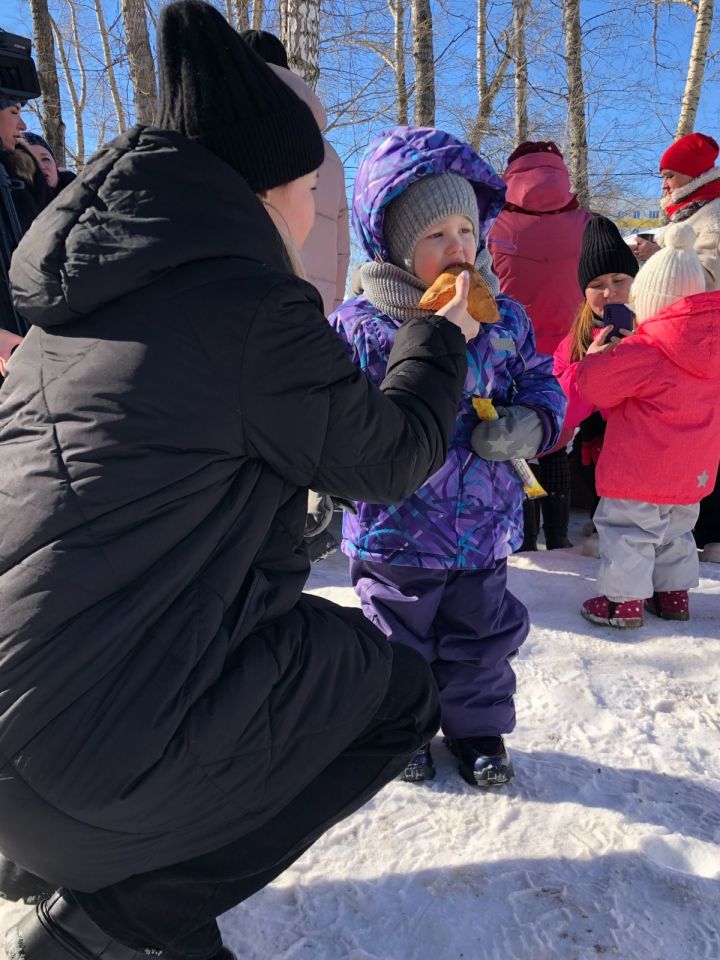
{"x":645,"y":547}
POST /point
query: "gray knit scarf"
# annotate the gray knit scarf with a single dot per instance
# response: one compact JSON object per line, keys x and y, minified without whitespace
{"x":396,"y":293}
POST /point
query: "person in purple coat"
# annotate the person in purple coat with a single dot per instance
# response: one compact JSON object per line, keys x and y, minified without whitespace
{"x":430,"y":571}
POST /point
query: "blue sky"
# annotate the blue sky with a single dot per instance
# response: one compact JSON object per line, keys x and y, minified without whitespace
{"x":633,"y":87}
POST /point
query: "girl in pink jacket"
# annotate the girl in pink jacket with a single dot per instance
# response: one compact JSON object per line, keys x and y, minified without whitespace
{"x":658,"y":389}
{"x":605,"y":274}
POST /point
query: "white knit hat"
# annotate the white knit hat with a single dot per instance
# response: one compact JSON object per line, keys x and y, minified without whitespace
{"x":669,"y":275}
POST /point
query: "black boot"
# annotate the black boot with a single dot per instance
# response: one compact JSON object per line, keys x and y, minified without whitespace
{"x":420,"y":767}
{"x":482,"y":761}
{"x":58,"y":929}
{"x":18,"y":884}
{"x":531,"y":526}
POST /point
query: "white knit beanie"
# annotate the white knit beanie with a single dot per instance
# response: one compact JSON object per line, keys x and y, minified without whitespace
{"x":669,"y":275}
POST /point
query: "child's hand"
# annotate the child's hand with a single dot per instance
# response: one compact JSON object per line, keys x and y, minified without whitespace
{"x":455,"y":310}
{"x":600,"y":344}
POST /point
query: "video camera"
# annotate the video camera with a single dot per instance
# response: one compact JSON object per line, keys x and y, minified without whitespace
{"x":18,"y":82}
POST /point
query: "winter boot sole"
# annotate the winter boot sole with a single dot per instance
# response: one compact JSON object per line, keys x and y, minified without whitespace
{"x":619,"y":623}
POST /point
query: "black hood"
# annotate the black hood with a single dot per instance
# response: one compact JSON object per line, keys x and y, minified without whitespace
{"x":148,"y":202}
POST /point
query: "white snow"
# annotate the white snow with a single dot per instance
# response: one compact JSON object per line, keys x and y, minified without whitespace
{"x":606,"y":844}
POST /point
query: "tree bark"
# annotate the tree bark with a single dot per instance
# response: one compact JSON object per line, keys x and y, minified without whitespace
{"x":520,"y":11}
{"x":487,"y":90}
{"x":302,"y":38}
{"x":142,"y":67}
{"x":258,"y":14}
{"x":50,"y":109}
{"x":423,"y":56}
{"x":242,"y":18}
{"x":110,"y":67}
{"x":578,"y":154}
{"x":397,"y":9}
{"x":696,"y":68}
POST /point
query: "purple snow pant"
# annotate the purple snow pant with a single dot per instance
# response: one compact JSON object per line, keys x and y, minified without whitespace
{"x":466,"y":624}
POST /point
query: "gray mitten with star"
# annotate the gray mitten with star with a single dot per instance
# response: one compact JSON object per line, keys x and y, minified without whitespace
{"x":517,"y":432}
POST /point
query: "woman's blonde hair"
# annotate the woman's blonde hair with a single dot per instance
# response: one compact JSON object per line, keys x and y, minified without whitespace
{"x":581,"y":332}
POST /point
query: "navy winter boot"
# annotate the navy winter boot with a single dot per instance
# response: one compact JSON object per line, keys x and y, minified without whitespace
{"x":482,"y":761}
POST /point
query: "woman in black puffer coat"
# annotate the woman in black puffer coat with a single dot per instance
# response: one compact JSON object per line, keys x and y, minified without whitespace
{"x":178,"y":720}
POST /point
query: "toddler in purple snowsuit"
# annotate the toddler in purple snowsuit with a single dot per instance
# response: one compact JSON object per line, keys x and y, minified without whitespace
{"x":431,"y":571}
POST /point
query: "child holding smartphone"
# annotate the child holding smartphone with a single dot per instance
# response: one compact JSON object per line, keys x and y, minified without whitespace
{"x":605,"y":274}
{"x":660,"y":455}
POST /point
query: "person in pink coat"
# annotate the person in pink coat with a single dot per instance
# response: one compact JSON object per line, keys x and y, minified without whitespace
{"x":605,"y":274}
{"x":325,"y":254}
{"x":658,"y":389}
{"x":535,"y":246}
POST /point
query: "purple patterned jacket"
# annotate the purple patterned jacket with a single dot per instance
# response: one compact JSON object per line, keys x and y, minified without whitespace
{"x":468,"y":515}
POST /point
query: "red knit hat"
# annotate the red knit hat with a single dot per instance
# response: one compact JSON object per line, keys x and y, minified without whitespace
{"x":692,"y":155}
{"x":533,"y":146}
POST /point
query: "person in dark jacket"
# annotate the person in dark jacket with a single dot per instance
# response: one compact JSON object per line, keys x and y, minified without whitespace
{"x":178,"y":721}
{"x":55,"y":178}
{"x":24,"y":194}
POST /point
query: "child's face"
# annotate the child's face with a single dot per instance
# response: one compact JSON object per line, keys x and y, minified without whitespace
{"x":447,"y":242}
{"x":608,"y":288}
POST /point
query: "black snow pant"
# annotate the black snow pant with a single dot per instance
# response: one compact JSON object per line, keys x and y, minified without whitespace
{"x":173,"y":910}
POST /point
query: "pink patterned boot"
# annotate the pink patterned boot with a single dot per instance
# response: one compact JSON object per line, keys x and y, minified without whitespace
{"x":625,"y":614}
{"x":669,"y":604}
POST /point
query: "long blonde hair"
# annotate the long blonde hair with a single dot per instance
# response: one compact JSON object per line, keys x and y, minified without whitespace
{"x":581,"y":332}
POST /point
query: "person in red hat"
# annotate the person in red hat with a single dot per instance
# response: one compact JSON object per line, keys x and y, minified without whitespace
{"x":691,"y":194}
{"x":691,"y":188}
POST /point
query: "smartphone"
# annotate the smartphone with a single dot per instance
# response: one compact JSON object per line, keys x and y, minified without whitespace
{"x":619,"y":317}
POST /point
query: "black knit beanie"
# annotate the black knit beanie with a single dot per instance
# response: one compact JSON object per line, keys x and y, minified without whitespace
{"x":214,"y":89}
{"x":604,"y":251}
{"x":267,"y":46}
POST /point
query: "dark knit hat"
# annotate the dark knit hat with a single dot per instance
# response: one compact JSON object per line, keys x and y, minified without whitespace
{"x":267,"y":46}
{"x":8,"y":101}
{"x":424,"y":202}
{"x":37,"y":141}
{"x":214,"y":89}
{"x":534,"y":146}
{"x":604,"y":251}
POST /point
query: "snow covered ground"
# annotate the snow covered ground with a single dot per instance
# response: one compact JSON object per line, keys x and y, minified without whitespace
{"x":607,"y":844}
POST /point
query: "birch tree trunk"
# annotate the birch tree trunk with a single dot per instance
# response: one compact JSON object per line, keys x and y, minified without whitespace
{"x":110,"y":67}
{"x":520,"y":12}
{"x":397,"y":9}
{"x":487,"y":90}
{"x":302,"y":38}
{"x":142,"y":68}
{"x":258,"y":14}
{"x":78,"y":97}
{"x":242,"y":18}
{"x":423,"y":56}
{"x":696,"y":67}
{"x":50,"y":109}
{"x":578,"y":153}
